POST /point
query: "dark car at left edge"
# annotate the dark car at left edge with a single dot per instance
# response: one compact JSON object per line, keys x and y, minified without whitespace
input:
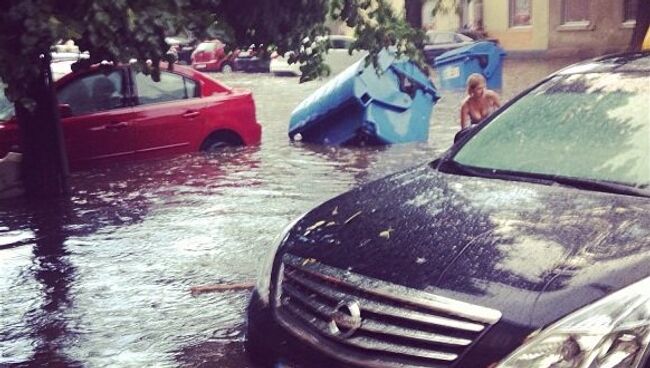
{"x":527,"y":244}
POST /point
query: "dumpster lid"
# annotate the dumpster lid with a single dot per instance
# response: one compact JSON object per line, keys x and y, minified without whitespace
{"x":477,"y":48}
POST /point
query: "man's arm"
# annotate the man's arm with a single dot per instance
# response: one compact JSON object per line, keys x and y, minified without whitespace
{"x":464,"y":116}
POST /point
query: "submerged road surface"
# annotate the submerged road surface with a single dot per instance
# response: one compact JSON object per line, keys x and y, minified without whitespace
{"x":104,"y":279}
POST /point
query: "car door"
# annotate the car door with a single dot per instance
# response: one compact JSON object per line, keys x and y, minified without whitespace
{"x":98,"y":127}
{"x":167,"y":115}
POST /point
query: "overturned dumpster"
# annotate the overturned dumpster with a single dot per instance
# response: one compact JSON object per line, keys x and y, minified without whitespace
{"x":362,"y":106}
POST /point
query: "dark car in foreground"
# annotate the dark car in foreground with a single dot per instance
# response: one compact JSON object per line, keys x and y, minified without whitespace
{"x":527,"y":244}
{"x":118,"y":113}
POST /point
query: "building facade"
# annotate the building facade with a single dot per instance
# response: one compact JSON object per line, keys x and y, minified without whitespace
{"x":590,"y":27}
{"x":544,"y":27}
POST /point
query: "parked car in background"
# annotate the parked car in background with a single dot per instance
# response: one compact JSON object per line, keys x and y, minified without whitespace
{"x":112,"y":114}
{"x":61,"y":63}
{"x":211,"y":56}
{"x":438,"y":42}
{"x":253,"y":60}
{"x":527,"y":244}
{"x":182,"y":48}
{"x":279,"y":65}
{"x":337,"y":58}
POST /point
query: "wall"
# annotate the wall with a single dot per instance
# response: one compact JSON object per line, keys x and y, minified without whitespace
{"x":338,"y":27}
{"x":443,"y":21}
{"x":605,"y":32}
{"x":529,"y":38}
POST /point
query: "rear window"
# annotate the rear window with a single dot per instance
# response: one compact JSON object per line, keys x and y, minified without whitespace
{"x":339,"y":44}
{"x":207,"y":46}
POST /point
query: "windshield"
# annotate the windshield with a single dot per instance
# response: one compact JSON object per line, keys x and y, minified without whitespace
{"x":586,"y":126}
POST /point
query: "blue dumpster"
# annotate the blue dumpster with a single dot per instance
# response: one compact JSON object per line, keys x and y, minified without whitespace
{"x":453,"y":67}
{"x":363,"y":106}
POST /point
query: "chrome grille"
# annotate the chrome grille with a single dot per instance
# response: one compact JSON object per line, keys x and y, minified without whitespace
{"x":396,"y":326}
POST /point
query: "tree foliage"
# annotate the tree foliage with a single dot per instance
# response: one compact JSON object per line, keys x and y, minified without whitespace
{"x":119,"y":30}
{"x":378,"y":25}
{"x":122,"y":30}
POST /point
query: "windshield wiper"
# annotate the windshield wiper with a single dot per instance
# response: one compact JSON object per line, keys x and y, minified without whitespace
{"x":453,"y":167}
{"x":602,"y":186}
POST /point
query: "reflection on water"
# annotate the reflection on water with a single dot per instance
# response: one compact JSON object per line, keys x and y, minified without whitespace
{"x":104,"y":280}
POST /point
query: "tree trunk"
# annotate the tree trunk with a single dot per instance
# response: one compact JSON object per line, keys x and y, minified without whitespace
{"x":641,"y":26}
{"x":414,"y":12}
{"x":45,"y":164}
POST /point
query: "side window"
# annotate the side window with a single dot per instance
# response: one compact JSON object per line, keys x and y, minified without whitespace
{"x":6,"y":107}
{"x":338,"y":44}
{"x":629,"y":10}
{"x":170,"y":88}
{"x":445,"y":38}
{"x":192,"y":87}
{"x":575,"y":11}
{"x":520,"y":13}
{"x":92,"y":93}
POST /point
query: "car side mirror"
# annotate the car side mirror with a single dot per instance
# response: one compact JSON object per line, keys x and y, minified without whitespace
{"x":65,"y":111}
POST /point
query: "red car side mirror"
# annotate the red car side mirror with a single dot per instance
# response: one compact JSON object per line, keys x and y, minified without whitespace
{"x":65,"y":111}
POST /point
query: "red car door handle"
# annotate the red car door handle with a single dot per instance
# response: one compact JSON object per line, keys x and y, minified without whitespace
{"x":120,"y":125}
{"x":111,"y":126}
{"x":191,"y":114}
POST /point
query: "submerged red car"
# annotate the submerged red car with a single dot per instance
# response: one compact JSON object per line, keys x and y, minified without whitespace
{"x":119,"y":113}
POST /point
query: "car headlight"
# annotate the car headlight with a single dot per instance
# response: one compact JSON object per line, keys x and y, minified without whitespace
{"x":613,"y":332}
{"x":264,"y":277}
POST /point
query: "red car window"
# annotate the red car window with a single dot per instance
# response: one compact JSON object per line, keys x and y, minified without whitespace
{"x":94,"y":92}
{"x":170,"y":87}
{"x":207,"y":46}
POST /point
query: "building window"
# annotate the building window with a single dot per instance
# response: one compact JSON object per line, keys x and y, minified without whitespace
{"x":629,"y":10}
{"x":520,"y":13}
{"x":575,"y":12}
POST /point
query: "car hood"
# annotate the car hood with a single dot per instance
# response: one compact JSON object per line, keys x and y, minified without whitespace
{"x":534,"y":252}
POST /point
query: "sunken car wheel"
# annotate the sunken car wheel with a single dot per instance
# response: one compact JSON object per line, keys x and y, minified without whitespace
{"x":226,"y":68}
{"x":219,"y":141}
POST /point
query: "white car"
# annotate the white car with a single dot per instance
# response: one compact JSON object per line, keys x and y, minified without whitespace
{"x":62,"y":62}
{"x":337,"y":58}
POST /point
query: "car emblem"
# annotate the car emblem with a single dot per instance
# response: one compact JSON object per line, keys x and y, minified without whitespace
{"x":345,"y":320}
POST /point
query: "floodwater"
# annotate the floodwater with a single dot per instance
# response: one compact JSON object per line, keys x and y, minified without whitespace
{"x":104,"y":279}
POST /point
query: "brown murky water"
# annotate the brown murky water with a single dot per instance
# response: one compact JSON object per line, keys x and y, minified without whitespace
{"x":104,"y":279}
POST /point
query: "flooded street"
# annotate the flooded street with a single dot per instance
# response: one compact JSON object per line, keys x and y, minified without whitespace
{"x":104,"y":279}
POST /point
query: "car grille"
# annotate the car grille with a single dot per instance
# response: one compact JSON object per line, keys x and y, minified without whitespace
{"x":371,"y":323}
